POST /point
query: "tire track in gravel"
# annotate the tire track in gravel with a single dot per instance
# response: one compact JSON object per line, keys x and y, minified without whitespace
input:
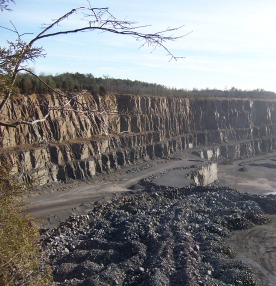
{"x":257,"y":247}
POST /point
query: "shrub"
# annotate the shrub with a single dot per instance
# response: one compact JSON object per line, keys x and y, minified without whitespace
{"x":21,"y":256}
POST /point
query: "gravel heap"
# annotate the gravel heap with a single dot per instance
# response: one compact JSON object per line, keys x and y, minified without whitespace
{"x":158,"y":236}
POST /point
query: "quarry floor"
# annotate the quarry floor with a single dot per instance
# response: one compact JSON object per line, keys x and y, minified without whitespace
{"x":256,"y":175}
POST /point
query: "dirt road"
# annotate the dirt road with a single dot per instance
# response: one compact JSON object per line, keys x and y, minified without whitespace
{"x":58,"y":202}
{"x":257,"y":247}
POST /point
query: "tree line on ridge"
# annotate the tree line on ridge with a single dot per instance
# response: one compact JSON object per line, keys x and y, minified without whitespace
{"x":77,"y":82}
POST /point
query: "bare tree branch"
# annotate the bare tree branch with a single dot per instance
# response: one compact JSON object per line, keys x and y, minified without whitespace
{"x":24,"y":122}
{"x":106,"y":22}
{"x":15,"y":58}
{"x":82,"y":110}
{"x":4,"y":5}
{"x":41,"y":80}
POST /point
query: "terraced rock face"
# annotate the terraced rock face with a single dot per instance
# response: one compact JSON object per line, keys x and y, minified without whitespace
{"x":96,"y":134}
{"x":161,"y":236}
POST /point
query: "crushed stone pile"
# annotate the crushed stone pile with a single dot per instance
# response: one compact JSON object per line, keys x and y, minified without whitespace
{"x":158,"y":236}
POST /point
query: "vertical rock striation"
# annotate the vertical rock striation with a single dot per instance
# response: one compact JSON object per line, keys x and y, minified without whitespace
{"x":95,"y":134}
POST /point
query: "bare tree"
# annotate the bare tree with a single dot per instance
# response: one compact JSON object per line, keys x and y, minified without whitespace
{"x":4,"y":5}
{"x":16,"y":57}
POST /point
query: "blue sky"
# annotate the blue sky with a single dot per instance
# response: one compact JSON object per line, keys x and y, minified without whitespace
{"x":232,"y":44}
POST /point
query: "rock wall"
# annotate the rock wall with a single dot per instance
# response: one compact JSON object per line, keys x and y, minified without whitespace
{"x":91,"y":134}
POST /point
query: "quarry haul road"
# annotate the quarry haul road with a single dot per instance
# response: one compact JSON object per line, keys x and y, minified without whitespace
{"x":257,"y":247}
{"x":76,"y":198}
{"x":256,"y":178}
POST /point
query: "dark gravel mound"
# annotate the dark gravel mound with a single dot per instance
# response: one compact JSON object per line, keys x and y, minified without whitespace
{"x":159,"y":236}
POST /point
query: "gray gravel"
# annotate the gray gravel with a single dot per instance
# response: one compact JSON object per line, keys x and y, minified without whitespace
{"x":157,"y":236}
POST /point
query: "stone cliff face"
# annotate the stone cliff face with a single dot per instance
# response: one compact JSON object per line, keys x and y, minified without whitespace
{"x":95,"y":134}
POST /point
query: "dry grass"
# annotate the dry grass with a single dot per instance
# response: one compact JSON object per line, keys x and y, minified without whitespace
{"x":21,"y":255}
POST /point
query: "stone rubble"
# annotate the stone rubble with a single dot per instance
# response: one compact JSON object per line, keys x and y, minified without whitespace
{"x":157,"y":236}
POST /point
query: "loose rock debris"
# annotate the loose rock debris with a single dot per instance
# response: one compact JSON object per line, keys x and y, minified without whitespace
{"x":158,"y":236}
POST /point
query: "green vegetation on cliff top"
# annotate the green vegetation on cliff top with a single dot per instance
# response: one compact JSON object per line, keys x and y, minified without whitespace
{"x":29,"y":84}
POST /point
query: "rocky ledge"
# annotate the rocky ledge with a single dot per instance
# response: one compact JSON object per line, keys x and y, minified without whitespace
{"x":101,"y":134}
{"x":158,"y":236}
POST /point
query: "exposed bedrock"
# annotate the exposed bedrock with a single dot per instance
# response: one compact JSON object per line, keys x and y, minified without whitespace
{"x":96,"y":134}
